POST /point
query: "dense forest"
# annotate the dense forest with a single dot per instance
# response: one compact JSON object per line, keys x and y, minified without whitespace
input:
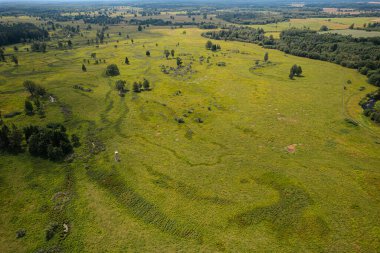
{"x":21,"y":32}
{"x":240,"y":33}
{"x":359,"y":53}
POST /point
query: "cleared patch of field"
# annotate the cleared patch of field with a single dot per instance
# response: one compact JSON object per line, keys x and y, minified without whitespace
{"x":227,"y":184}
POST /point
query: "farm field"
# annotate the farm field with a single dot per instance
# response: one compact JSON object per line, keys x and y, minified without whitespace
{"x":261,"y":163}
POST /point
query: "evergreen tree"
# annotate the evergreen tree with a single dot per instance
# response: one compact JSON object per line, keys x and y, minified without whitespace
{"x":126,"y":60}
{"x":266,"y":57}
{"x":84,"y":69}
{"x":28,"y":107}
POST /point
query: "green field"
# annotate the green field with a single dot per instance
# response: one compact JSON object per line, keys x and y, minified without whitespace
{"x":227,"y":184}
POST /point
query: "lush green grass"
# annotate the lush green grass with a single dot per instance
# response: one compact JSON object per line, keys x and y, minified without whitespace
{"x":227,"y":184}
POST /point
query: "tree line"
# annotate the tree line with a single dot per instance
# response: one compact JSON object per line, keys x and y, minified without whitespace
{"x":21,"y":32}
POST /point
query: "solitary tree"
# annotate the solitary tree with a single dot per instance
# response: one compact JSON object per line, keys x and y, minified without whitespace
{"x":126,"y":61}
{"x":208,"y":44}
{"x":266,"y":57}
{"x":166,"y":53}
{"x":136,"y":87}
{"x":146,"y":84}
{"x":69,"y":44}
{"x":147,"y":53}
{"x":84,"y":69}
{"x":179,"y":62}
{"x":112,"y":70}
{"x":139,"y":28}
{"x":172,"y":52}
{"x":28,"y":107}
{"x":30,"y":86}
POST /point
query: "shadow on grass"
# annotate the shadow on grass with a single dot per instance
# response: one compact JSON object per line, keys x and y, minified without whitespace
{"x":287,"y":215}
{"x":139,"y":207}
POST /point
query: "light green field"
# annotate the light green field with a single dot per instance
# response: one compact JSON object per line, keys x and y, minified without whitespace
{"x":227,"y":184}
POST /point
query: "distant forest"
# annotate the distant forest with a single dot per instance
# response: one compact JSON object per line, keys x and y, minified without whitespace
{"x":21,"y":32}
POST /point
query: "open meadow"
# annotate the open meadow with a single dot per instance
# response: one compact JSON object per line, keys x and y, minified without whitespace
{"x":260,"y":163}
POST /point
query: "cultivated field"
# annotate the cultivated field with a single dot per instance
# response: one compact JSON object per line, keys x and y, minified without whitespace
{"x":274,"y":167}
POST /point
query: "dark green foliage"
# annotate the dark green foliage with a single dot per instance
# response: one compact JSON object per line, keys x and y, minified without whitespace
{"x":139,"y":28}
{"x":371,"y":105}
{"x":38,"y":47}
{"x":179,"y":62}
{"x":50,"y":231}
{"x":20,"y":233}
{"x":28,"y":107}
{"x":20,"y":32}
{"x":112,"y":70}
{"x":360,"y":53}
{"x":374,"y":78}
{"x":244,"y":34}
{"x":137,"y":87}
{"x":146,"y":84}
{"x":266,"y":57}
{"x":34,"y":89}
{"x":323,"y":28}
{"x":126,"y":61}
{"x":147,"y":53}
{"x":75,"y":140}
{"x":84,"y":69}
{"x":10,"y":138}
{"x":295,"y":71}
{"x":51,"y":142}
{"x":166,"y":53}
{"x":172,"y":52}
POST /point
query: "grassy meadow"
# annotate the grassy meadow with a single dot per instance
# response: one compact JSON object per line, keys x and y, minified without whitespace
{"x":227,"y":184}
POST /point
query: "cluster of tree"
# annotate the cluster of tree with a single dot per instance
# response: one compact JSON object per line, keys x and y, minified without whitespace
{"x":10,"y":138}
{"x":167,"y":53}
{"x":208,"y":26}
{"x":360,"y":53}
{"x":141,"y":86}
{"x":251,"y":17}
{"x":372,"y":26}
{"x":371,"y":105}
{"x":34,"y":89}
{"x":100,"y":19}
{"x":211,"y":46}
{"x":112,"y":70}
{"x":38,"y":47}
{"x":120,"y":87}
{"x":20,"y":32}
{"x":49,"y":142}
{"x":240,"y":33}
{"x":150,"y":21}
{"x":295,"y":71}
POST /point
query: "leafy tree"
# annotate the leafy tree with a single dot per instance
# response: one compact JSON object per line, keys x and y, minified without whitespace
{"x":28,"y":107}
{"x":172,"y":52}
{"x":208,"y":44}
{"x":323,"y":28}
{"x":112,"y":70}
{"x":351,"y":26}
{"x":147,"y":53}
{"x":30,"y":86}
{"x":146,"y":84}
{"x":179,"y":62}
{"x":299,"y":71}
{"x":166,"y":53}
{"x":69,"y":44}
{"x":15,"y":139}
{"x":126,"y":60}
{"x":4,"y":138}
{"x":120,"y":85}
{"x":84,"y":69}
{"x":139,"y":28}
{"x":266,"y":57}
{"x":136,"y":87}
